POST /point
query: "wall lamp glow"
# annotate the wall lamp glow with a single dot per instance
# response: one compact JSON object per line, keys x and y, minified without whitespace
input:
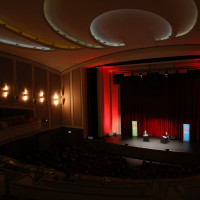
{"x":5,"y":91}
{"x":41,"y":96}
{"x":25,"y":95}
{"x":55,"y":99}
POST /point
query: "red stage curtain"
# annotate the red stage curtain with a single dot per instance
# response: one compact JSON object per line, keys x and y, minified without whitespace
{"x":161,"y":104}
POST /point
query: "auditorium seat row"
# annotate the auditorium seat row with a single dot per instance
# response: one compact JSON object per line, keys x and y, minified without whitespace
{"x":13,"y":121}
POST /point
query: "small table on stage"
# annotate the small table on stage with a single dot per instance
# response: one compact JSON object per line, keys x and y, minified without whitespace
{"x":164,"y":139}
{"x":145,"y":138}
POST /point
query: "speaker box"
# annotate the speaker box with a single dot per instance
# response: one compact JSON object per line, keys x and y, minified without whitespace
{"x":118,"y":78}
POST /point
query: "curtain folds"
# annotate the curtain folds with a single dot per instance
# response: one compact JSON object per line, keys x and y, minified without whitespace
{"x":161,"y":104}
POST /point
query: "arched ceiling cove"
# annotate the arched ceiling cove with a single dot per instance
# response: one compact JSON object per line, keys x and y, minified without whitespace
{"x":65,"y":34}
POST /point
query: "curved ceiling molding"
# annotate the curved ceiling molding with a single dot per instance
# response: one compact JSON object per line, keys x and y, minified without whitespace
{"x":34,"y":38}
{"x":108,"y":28}
{"x":19,"y":44}
{"x":60,"y":30}
{"x":191,"y":15}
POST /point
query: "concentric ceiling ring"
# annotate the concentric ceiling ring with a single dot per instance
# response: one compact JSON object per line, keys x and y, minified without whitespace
{"x":108,"y":27}
{"x":62,"y":32}
{"x":33,"y":38}
{"x":190,"y":11}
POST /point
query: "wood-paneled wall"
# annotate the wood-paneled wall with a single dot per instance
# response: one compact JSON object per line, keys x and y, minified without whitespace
{"x":77,"y":97}
{"x":20,"y":74}
{"x":56,"y":110}
{"x":6,"y":77}
{"x":41,"y":109}
{"x":24,"y":81}
{"x":73,"y":94}
{"x":67,"y":113}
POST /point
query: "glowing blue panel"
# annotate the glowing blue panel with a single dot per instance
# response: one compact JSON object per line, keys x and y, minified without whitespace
{"x":186,"y":132}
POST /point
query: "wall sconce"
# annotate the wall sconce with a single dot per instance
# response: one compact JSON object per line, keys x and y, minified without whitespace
{"x":5,"y":91}
{"x":62,"y":96}
{"x":25,"y":95}
{"x":41,"y":96}
{"x":55,"y":99}
{"x":63,"y":100}
{"x":34,"y":101}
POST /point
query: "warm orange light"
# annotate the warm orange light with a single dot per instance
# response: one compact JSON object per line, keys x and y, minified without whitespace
{"x":41,"y":96}
{"x":56,"y":99}
{"x":5,"y":91}
{"x":25,"y":95}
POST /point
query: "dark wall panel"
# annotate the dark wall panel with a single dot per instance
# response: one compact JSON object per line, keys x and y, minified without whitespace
{"x":77,"y":100}
{"x":67,"y":117}
{"x":24,"y":80}
{"x":92,"y":109}
{"x":6,"y":77}
{"x":41,"y":85}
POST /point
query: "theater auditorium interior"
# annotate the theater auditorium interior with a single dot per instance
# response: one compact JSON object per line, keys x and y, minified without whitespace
{"x":99,"y":99}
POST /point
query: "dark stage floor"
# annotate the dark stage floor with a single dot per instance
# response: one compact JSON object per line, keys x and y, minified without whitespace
{"x":154,"y":143}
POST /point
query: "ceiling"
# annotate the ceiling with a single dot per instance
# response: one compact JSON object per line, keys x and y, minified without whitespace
{"x":65,"y":34}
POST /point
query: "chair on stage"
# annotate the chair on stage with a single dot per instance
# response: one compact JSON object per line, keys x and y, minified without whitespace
{"x":165,"y":139}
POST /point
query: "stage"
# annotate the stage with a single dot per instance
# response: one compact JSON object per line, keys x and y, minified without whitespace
{"x":154,"y":143}
{"x":175,"y":151}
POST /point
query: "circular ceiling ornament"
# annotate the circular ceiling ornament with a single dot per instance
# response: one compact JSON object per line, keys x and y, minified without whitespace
{"x":190,"y":12}
{"x":116,"y":28}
